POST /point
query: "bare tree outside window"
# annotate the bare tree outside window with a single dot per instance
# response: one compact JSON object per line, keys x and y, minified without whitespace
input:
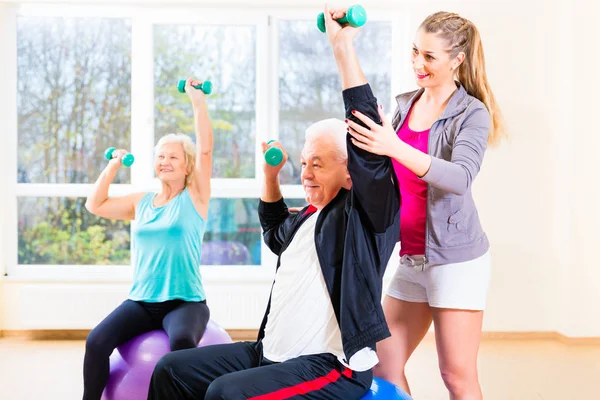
{"x":74,"y":101}
{"x":225,"y":55}
{"x":309,"y":82}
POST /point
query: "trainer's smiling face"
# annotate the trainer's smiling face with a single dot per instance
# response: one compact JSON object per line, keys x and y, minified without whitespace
{"x":432,"y":64}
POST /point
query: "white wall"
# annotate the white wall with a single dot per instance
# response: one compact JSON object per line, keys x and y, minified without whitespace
{"x":536,"y":193}
{"x":2,"y":306}
{"x":582,"y":277}
{"x":510,"y":186}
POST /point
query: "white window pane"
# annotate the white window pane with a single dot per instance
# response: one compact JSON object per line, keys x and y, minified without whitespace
{"x":74,"y":95}
{"x":233,"y":233}
{"x":225,"y":55}
{"x":60,"y":231}
{"x":309,"y":82}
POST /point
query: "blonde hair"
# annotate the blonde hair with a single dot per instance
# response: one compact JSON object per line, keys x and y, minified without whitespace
{"x":333,"y":129}
{"x":189,"y":149}
{"x":461,"y":35}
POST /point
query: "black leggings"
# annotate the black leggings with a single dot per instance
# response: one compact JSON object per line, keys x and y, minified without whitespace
{"x":184,"y":322}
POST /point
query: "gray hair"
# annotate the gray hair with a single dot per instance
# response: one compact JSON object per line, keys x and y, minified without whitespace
{"x":333,"y":129}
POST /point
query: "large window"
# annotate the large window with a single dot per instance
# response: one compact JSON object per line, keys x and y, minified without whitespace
{"x":98,"y":79}
{"x":74,"y":101}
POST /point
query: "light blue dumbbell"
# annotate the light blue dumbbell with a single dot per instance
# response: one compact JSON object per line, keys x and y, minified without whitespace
{"x":205,"y":86}
{"x":356,"y":16}
{"x":274,"y":155}
{"x":127,"y":160}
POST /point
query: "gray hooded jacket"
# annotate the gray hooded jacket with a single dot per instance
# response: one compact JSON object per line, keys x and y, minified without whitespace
{"x":457,"y":143}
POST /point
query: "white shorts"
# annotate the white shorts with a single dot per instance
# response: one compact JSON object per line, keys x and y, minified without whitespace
{"x":462,"y":286}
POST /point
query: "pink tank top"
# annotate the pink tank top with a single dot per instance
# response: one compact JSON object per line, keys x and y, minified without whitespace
{"x":413,"y":195}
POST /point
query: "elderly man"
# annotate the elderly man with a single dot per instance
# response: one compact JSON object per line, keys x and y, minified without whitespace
{"x":324,"y":316}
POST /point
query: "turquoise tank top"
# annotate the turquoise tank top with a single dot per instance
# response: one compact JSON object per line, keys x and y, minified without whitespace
{"x":167,"y":245}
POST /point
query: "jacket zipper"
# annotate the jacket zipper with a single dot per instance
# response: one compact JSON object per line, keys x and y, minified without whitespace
{"x":426,"y":255}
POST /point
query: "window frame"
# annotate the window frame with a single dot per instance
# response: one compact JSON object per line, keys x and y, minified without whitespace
{"x":142,"y":123}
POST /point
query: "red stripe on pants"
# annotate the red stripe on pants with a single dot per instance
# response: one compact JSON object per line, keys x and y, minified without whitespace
{"x":305,"y":387}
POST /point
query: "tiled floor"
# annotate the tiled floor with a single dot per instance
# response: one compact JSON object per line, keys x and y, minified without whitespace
{"x":509,"y":370}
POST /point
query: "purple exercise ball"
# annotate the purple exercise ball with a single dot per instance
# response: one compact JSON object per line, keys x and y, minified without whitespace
{"x":131,"y":366}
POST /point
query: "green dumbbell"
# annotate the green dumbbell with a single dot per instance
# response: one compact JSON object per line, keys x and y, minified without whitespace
{"x":356,"y":16}
{"x":205,"y":86}
{"x":127,"y":160}
{"x":274,"y":155}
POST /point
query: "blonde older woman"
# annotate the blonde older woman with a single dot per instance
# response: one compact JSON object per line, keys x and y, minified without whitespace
{"x":167,"y":291}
